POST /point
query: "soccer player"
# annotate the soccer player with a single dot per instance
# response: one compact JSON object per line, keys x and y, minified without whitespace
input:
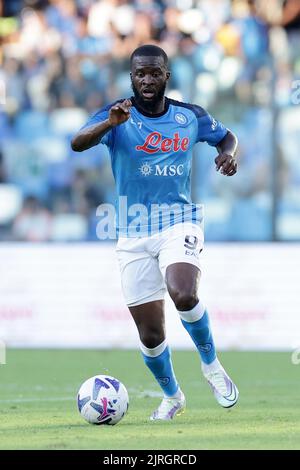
{"x":150,"y":138}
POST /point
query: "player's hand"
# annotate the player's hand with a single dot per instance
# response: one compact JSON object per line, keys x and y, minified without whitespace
{"x":119,"y":113}
{"x":226,"y":163}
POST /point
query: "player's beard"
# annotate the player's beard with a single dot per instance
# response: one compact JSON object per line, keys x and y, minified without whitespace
{"x":149,"y":105}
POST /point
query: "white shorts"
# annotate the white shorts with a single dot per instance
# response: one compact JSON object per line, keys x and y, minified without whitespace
{"x":143,"y":260}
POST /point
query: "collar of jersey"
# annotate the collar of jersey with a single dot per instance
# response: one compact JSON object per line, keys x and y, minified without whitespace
{"x":140,"y":110}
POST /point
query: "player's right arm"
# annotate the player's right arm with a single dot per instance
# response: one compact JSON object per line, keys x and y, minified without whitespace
{"x":91,"y":135}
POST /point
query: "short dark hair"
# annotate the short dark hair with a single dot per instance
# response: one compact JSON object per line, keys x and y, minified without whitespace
{"x":149,"y":50}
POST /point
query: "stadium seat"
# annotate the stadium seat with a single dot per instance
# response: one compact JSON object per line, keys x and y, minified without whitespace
{"x":52,"y":149}
{"x":66,"y":121}
{"x":10,"y":202}
{"x":69,"y":227}
{"x":5,"y":130}
{"x":31,"y":124}
{"x":216,"y":216}
{"x":251,"y":219}
{"x":289,"y":226}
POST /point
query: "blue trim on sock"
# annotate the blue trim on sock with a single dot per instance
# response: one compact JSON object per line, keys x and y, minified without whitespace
{"x":201,"y":334}
{"x":162,"y":369}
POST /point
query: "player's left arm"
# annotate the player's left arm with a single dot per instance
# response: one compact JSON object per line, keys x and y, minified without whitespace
{"x":226,"y":161}
{"x":217,"y":135}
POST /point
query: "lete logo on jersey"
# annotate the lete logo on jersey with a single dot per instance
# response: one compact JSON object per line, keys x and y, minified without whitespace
{"x":155,"y":143}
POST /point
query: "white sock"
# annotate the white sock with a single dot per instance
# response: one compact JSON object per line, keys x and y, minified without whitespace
{"x":195,"y":314}
{"x":154,"y":352}
{"x":212,"y":367}
{"x":176,"y":395}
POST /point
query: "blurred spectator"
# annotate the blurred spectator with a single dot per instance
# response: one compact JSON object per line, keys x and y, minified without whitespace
{"x":86,"y":195}
{"x":33,"y":224}
{"x":2,"y":170}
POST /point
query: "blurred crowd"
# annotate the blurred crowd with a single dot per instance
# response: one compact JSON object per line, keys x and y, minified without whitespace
{"x":63,"y":59}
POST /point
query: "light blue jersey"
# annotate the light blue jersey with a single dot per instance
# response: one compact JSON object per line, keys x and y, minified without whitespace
{"x":151,"y":159}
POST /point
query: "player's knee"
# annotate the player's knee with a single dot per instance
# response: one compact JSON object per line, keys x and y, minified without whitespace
{"x":152,"y":338}
{"x":185,"y":300}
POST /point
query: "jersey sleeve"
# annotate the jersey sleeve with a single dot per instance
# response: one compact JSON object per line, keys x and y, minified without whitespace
{"x":209,"y":129}
{"x":100,"y":116}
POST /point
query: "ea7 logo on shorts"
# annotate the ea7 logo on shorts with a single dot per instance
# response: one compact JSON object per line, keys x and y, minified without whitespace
{"x":191,"y":242}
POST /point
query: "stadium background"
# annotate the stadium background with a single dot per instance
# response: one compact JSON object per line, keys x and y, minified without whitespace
{"x":60,"y":286}
{"x":61,"y":60}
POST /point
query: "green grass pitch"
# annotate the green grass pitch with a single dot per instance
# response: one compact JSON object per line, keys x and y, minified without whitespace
{"x":38,"y":403}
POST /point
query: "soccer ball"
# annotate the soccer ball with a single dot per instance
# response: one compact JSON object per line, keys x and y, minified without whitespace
{"x":102,"y":400}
